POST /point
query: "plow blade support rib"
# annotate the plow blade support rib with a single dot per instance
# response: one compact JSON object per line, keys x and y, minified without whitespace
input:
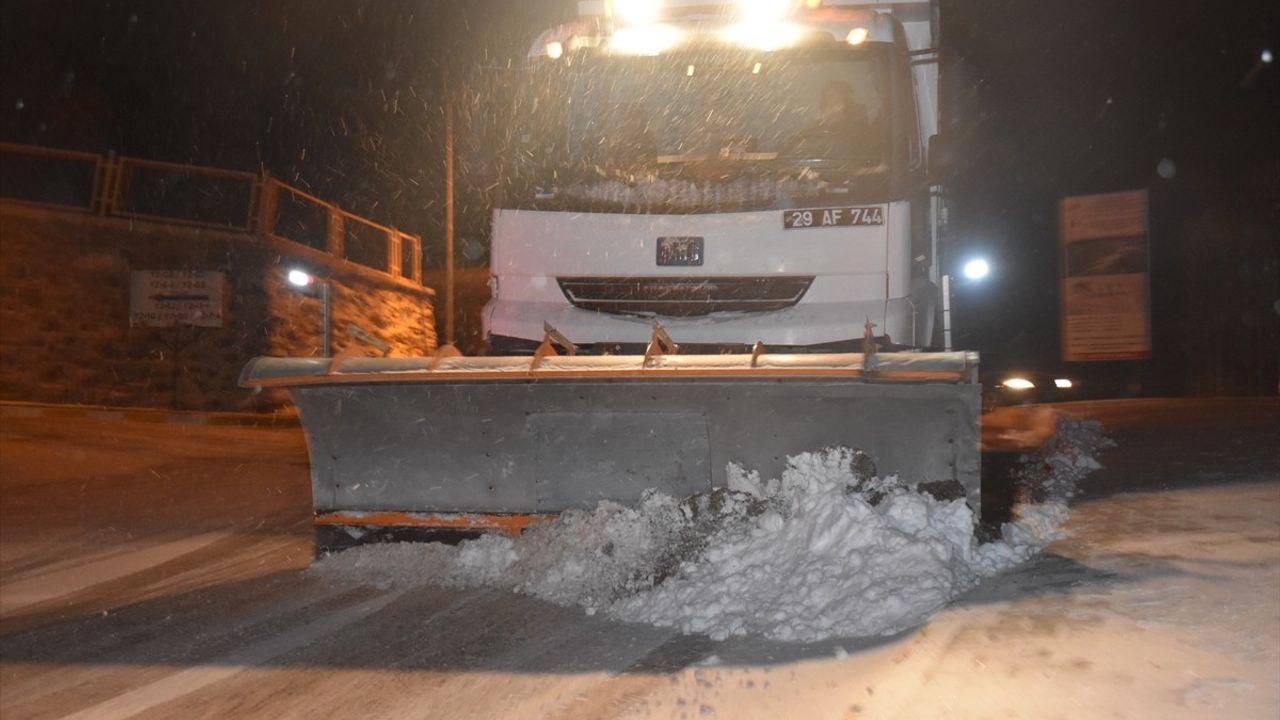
{"x":492,"y":435}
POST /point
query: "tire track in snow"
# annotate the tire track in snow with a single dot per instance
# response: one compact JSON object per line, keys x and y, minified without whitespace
{"x":173,"y":572}
{"x":439,"y":634}
{"x":101,"y":656}
{"x":19,"y":594}
{"x":185,"y":682}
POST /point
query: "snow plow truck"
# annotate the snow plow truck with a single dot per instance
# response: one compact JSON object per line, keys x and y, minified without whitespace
{"x":718,"y":242}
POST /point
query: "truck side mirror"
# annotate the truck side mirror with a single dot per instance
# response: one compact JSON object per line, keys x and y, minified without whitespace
{"x":941,"y":160}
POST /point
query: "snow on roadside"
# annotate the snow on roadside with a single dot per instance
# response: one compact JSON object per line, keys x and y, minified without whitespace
{"x":819,"y":552}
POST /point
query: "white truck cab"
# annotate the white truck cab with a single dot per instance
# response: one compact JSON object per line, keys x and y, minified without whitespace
{"x":741,"y":172}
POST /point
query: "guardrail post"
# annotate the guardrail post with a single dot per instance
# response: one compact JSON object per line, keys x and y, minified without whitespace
{"x":255,"y":200}
{"x":336,"y":235}
{"x":417,"y":258}
{"x":448,"y":219}
{"x":267,"y":205}
{"x":112,"y":184}
{"x":101,"y":184}
{"x":395,"y":245}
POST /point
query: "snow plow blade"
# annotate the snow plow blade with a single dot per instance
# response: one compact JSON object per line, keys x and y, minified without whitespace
{"x":489,"y":442}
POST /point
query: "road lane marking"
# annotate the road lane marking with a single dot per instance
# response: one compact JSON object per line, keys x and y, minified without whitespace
{"x":188,"y":681}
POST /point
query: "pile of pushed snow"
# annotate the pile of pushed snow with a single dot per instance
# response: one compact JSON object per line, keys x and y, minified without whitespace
{"x":1052,"y":473}
{"x":821,"y":551}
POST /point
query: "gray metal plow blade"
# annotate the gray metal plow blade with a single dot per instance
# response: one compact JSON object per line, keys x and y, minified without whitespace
{"x":493,"y":436}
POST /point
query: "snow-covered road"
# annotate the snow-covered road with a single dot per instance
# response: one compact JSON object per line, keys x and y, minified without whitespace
{"x":153,"y":570}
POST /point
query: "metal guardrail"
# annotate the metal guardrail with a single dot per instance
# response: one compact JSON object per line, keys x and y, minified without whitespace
{"x":205,"y":197}
{"x":168,"y":192}
{"x":52,"y":178}
{"x":287,"y":213}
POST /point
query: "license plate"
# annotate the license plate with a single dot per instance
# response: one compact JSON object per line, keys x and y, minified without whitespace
{"x":680,"y":251}
{"x":832,"y":217}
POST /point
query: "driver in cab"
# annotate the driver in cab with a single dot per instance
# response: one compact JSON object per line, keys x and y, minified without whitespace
{"x":841,"y":131}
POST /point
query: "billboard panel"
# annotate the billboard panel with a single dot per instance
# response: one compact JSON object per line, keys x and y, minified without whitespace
{"x":1105,"y":295}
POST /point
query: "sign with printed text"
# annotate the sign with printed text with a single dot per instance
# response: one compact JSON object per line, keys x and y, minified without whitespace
{"x":1105,"y":299}
{"x":172,"y":298}
{"x":832,"y":217}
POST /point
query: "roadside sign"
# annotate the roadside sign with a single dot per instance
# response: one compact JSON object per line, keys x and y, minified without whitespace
{"x":1105,"y":295}
{"x":171,"y":298}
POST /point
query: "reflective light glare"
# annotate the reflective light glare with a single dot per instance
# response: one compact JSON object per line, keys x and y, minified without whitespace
{"x":299,"y":278}
{"x":647,"y":40}
{"x":764,"y":11}
{"x":1063,"y":383}
{"x":1266,"y":56}
{"x":755,"y":70}
{"x":1017,"y":383}
{"x":976,"y":269}
{"x":857,"y":36}
{"x":637,"y":12}
{"x":689,"y":72}
{"x":554,"y":50}
{"x":763,"y":36}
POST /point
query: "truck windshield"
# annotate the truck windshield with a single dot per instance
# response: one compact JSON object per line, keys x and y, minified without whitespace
{"x":824,"y":108}
{"x":701,"y":132}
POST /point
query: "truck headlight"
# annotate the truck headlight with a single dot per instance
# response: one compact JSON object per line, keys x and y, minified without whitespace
{"x":645,"y":40}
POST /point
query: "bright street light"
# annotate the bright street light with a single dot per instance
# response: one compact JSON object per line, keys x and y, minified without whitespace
{"x":973,"y":270}
{"x":976,"y":269}
{"x":306,"y":284}
{"x":299,"y":278}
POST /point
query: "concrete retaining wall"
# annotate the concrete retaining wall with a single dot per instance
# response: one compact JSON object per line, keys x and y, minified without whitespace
{"x":65,"y":332}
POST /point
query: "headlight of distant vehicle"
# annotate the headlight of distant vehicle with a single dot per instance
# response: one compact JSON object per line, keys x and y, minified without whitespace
{"x":1019,"y":383}
{"x":1063,"y":383}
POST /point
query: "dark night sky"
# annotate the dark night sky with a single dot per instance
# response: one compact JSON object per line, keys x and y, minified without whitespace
{"x":343,"y":97}
{"x":1086,"y":97}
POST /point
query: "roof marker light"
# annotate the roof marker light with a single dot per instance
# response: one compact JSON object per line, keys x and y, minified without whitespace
{"x":764,"y":11}
{"x":763,"y":36}
{"x":637,"y":12}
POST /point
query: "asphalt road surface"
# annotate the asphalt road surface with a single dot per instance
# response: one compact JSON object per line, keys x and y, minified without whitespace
{"x":160,"y":571}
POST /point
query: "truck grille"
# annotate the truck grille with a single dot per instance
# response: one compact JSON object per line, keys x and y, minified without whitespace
{"x":683,"y":296}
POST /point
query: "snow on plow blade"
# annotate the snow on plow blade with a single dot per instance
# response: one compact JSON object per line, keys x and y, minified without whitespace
{"x":487,"y":442}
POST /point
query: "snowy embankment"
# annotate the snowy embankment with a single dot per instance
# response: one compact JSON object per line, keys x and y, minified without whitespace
{"x":819,"y":552}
